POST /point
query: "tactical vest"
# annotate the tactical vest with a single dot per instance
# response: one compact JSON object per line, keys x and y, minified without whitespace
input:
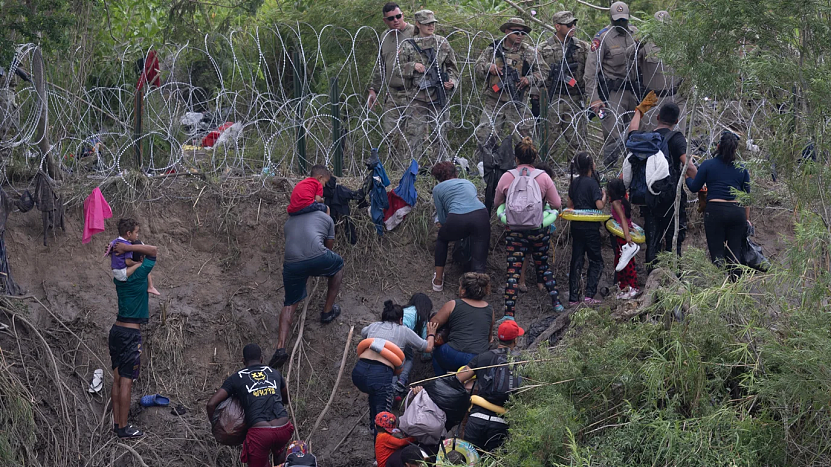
{"x":556,"y":82}
{"x":513,"y":59}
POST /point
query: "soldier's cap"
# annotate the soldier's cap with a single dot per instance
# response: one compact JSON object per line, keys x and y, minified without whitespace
{"x":425,"y":17}
{"x":619,"y":10}
{"x":515,"y":23}
{"x":662,"y":16}
{"x":563,"y":17}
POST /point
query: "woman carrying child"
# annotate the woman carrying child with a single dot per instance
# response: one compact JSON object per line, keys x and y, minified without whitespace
{"x":626,"y":274}
{"x":584,"y":193}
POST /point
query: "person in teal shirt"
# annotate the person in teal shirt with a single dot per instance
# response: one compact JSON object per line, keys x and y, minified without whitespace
{"x":125,"y":335}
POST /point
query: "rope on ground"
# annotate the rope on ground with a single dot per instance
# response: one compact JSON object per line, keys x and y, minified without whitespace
{"x":335,"y":388}
{"x":297,"y":344}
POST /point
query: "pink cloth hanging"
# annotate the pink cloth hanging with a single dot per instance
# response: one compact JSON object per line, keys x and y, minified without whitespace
{"x":96,"y":210}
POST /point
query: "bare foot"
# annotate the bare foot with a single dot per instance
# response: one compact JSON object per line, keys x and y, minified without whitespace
{"x":152,"y":290}
{"x":523,"y":288}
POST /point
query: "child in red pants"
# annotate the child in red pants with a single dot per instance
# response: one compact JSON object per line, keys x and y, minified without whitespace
{"x":626,"y":275}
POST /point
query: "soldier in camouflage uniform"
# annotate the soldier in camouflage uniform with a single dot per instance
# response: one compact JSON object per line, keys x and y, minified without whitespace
{"x":564,"y":63}
{"x":660,"y":78}
{"x":426,"y":113}
{"x":389,"y":84}
{"x":505,"y":117}
{"x":612,"y":75}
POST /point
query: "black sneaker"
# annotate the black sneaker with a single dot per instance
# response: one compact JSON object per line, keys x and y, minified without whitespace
{"x":326,"y":318}
{"x":278,"y":359}
{"x":130,"y":432}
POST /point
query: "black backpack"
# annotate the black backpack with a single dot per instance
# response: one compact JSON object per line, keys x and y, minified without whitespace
{"x":642,"y":146}
{"x":305,"y":460}
{"x":497,"y":383}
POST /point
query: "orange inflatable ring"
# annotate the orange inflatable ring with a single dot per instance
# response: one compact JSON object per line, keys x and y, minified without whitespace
{"x":390,"y":352}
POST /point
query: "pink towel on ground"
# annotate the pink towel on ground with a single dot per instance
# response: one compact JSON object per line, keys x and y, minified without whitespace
{"x":96,"y":210}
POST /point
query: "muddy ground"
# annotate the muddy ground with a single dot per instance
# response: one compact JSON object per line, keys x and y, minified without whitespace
{"x":219,"y":271}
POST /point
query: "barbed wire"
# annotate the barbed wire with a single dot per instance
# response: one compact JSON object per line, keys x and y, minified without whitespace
{"x":246,"y":78}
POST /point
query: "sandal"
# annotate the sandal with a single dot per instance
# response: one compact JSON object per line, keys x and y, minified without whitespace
{"x":154,"y":400}
{"x":279,"y":358}
{"x":437,"y":287}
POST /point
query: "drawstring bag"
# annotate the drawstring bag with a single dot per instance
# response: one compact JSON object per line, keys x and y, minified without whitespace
{"x":422,"y":419}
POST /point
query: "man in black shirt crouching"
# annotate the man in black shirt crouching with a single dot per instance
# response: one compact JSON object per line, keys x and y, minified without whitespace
{"x":262,"y":392}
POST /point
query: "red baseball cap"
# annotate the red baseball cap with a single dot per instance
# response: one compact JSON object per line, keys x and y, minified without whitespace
{"x":509,"y":330}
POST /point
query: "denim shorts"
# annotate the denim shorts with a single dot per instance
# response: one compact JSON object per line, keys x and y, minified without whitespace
{"x":297,"y":273}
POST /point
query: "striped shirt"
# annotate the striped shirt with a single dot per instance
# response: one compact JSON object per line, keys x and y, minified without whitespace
{"x":402,"y":336}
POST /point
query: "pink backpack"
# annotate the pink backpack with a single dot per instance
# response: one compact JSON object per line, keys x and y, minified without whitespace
{"x":524,"y":207}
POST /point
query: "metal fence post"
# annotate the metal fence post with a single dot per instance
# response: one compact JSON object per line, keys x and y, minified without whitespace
{"x":544,"y":122}
{"x":337,"y":144}
{"x":299,"y":78}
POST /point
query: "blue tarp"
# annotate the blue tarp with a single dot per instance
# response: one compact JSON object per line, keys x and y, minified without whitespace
{"x":378,"y":196}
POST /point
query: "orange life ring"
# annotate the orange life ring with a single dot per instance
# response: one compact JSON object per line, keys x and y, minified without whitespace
{"x":390,"y":352}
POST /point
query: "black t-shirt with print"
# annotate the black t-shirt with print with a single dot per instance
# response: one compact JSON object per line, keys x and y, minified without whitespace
{"x":259,"y":390}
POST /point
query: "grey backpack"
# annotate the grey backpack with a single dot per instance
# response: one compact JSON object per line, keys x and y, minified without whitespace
{"x":524,"y":207}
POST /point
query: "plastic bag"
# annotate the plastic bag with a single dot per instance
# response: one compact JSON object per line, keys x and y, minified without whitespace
{"x":228,"y":424}
{"x":752,"y":255}
{"x":450,"y":395}
{"x":422,"y":418}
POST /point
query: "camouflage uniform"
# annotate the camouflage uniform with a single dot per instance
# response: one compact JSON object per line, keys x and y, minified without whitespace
{"x":611,"y":63}
{"x":425,"y":120}
{"x":389,"y":86}
{"x":501,"y":116}
{"x":661,"y":79}
{"x":566,"y":121}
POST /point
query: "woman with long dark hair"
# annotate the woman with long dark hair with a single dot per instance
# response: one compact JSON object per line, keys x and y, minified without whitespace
{"x":725,"y":221}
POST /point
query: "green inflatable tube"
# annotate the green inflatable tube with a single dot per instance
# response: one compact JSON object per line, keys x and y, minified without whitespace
{"x":548,"y":216}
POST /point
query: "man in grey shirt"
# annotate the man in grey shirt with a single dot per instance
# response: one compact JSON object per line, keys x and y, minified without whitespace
{"x":309,"y":241}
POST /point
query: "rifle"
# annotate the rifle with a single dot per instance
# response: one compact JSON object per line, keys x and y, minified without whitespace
{"x":433,"y":76}
{"x":510,"y":76}
{"x":560,"y":77}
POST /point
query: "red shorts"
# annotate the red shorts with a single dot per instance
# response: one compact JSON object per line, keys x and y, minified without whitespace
{"x":262,"y":441}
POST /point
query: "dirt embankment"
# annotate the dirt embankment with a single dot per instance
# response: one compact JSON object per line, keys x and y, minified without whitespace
{"x":219,"y":271}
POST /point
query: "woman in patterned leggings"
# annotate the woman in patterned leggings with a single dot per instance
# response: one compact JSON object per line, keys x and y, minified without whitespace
{"x":534,"y":241}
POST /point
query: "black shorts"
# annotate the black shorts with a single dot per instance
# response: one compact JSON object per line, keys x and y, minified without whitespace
{"x":125,"y":351}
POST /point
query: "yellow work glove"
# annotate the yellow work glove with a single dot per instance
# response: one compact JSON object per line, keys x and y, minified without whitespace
{"x":647,"y":103}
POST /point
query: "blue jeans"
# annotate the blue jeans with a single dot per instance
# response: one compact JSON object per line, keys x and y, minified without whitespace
{"x":373,"y":378}
{"x":446,"y":358}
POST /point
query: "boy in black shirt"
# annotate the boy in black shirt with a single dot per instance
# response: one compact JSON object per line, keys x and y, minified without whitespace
{"x":659,"y":227}
{"x":262,"y":392}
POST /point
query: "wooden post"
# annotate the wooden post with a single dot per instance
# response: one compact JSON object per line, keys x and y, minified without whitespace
{"x":137,"y":132}
{"x":337,"y":143}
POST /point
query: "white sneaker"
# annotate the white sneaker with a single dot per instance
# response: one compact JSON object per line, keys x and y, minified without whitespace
{"x":623,"y":294}
{"x":437,"y":287}
{"x":627,"y":252}
{"x":633,"y":292}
